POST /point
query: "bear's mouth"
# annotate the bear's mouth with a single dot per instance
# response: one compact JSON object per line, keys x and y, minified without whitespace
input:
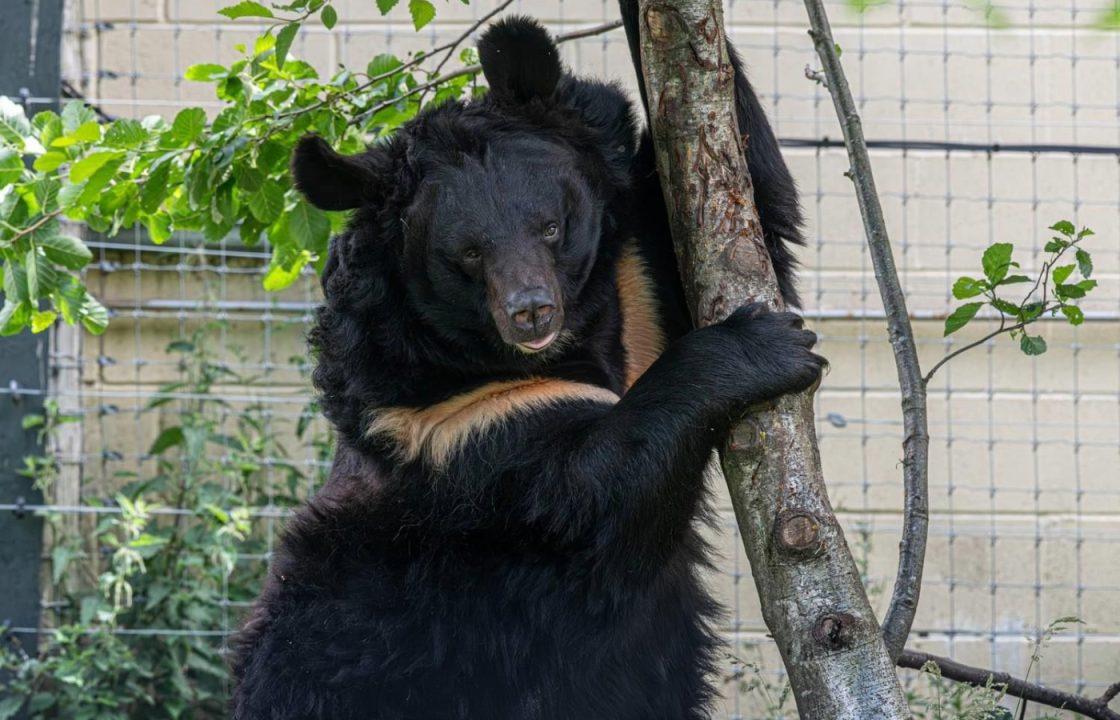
{"x":535,"y":346}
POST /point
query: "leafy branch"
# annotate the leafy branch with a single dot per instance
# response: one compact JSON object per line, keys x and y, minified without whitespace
{"x":1050,"y":294}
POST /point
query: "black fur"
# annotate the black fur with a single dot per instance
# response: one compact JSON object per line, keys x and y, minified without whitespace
{"x":549,"y":569}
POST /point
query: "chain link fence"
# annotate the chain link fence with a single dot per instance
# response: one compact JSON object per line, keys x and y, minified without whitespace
{"x":988,"y":122}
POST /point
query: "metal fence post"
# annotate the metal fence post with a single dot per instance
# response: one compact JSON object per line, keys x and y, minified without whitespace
{"x":29,"y":69}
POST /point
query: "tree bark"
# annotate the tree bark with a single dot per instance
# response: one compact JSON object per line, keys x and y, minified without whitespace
{"x":812,"y":599}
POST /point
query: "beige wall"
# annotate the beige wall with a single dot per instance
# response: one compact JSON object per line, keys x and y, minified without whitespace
{"x":1025,"y":487}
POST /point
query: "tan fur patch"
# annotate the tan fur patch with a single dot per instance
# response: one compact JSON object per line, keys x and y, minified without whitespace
{"x":439,"y":430}
{"x":642,"y":336}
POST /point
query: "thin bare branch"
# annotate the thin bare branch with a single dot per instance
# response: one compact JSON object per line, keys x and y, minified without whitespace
{"x":1095,"y":708}
{"x":915,"y":443}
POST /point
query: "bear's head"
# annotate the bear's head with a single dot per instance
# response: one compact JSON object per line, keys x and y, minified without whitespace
{"x":491,"y":217}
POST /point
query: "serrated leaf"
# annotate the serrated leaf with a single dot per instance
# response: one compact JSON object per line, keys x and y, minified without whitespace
{"x":155,"y":189}
{"x":329,"y":16}
{"x":14,"y":317}
{"x":1074,"y":314}
{"x":386,"y":5}
{"x":997,"y":261}
{"x":309,"y":226}
{"x":246,"y":8}
{"x":1060,"y":274}
{"x":31,"y":268}
{"x":1013,"y":279}
{"x":69,"y":252}
{"x":11,"y":166}
{"x":1030,"y":311}
{"x":1007,"y":308}
{"x":267,"y":203}
{"x":1084,"y":263}
{"x":94,"y":316}
{"x":1065,"y":227}
{"x":422,"y":12}
{"x":1087,"y":285}
{"x":188,"y":124}
{"x":10,"y":707}
{"x":284,"y":40}
{"x":1032,"y":344}
{"x":159,"y":227}
{"x":1056,"y":245}
{"x":125,"y":133}
{"x":14,"y":125}
{"x":966,"y":287}
{"x":1069,"y":292}
{"x":961,"y":317}
{"x":383,"y":64}
{"x":84,"y":169}
{"x":76,"y":114}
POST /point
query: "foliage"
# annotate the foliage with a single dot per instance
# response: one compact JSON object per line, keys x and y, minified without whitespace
{"x":217,"y":177}
{"x":169,"y":543}
{"x":1053,"y":292}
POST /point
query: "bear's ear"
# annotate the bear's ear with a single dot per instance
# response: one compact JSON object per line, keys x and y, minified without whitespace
{"x":519,"y":59}
{"x":328,"y":180}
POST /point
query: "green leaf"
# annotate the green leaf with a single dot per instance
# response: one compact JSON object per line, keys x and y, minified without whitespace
{"x":280,"y":274}
{"x":267,"y":203}
{"x":997,"y":261}
{"x":159,"y":227}
{"x":155,"y":189}
{"x":382,"y":64}
{"x":9,"y":706}
{"x":14,"y":317}
{"x":14,"y":126}
{"x":309,"y":226}
{"x":50,"y":160}
{"x":1070,"y":292}
{"x":87,"y":166}
{"x":329,"y":16}
{"x":1084,"y":263}
{"x":386,"y":5}
{"x":1007,"y":308}
{"x":422,"y":11}
{"x":205,"y":72}
{"x":1060,"y":274}
{"x":42,"y":320}
{"x":246,"y":8}
{"x":1073,"y":314}
{"x":125,"y":134}
{"x":69,"y":252}
{"x":31,"y":267}
{"x":188,"y":124}
{"x":95,"y":318}
{"x":961,"y":317}
{"x":1012,"y":279}
{"x":1032,"y":344}
{"x":966,"y":287}
{"x":11,"y":166}
{"x":1056,"y":245}
{"x":1087,"y":285}
{"x":170,"y":437}
{"x":284,"y":40}
{"x":77,"y":114}
{"x":1065,"y":227}
{"x":86,"y":133}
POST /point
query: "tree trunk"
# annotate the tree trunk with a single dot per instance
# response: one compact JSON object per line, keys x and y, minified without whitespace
{"x":812,"y":599}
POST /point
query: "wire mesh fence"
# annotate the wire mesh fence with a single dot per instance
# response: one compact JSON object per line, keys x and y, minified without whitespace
{"x":988,"y":122}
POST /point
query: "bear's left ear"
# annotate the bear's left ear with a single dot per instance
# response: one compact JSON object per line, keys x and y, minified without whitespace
{"x":328,"y":180}
{"x":519,"y":59}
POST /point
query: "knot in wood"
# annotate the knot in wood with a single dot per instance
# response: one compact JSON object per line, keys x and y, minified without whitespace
{"x":835,"y":631}
{"x":798,"y":532}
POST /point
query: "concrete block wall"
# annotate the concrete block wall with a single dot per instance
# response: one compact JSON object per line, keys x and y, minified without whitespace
{"x":1025,"y":490}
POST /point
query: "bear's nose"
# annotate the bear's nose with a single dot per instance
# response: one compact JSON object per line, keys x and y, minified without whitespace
{"x":531,"y":310}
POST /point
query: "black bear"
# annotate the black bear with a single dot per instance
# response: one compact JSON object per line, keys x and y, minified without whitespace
{"x":510,"y":529}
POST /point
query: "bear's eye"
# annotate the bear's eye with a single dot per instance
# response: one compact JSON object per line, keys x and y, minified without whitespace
{"x":472,"y":254}
{"x":551,"y":230}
